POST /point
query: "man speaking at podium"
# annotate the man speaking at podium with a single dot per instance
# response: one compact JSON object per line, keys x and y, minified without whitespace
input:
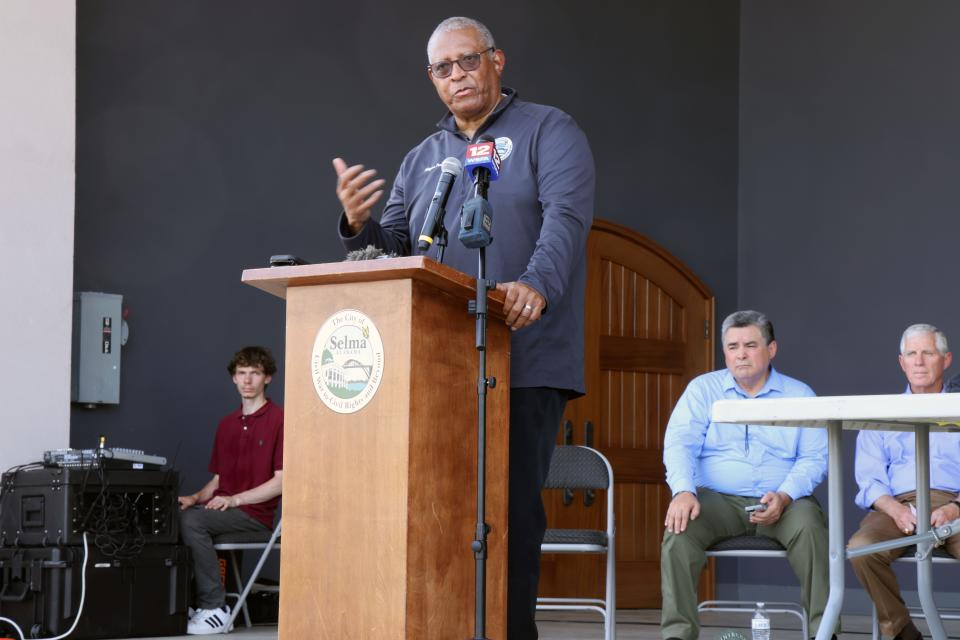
{"x":543,"y":209}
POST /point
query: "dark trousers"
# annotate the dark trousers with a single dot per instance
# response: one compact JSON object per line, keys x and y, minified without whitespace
{"x":535,"y":415}
{"x":198,"y":526}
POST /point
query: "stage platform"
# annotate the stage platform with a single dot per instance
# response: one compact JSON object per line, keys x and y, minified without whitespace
{"x":637,"y":624}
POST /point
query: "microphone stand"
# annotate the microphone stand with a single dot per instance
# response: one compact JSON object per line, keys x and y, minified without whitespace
{"x":441,"y":237}
{"x":478,"y":308}
{"x":440,"y":234}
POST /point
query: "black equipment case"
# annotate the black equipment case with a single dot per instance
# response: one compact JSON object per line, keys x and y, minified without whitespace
{"x":145,"y":595}
{"x":51,"y":506}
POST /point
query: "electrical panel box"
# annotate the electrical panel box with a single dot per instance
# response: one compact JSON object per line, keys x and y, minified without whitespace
{"x":97,"y":327}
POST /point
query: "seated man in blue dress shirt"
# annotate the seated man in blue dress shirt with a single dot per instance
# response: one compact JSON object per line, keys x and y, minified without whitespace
{"x":715,"y":471}
{"x":887,"y":477}
{"x":953,"y":386}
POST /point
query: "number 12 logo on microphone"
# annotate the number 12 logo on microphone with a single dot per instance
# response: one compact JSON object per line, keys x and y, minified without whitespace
{"x":483,"y":154}
{"x":482,"y":150}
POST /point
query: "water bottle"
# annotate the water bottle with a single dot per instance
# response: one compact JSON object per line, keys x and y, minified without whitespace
{"x":760,"y":623}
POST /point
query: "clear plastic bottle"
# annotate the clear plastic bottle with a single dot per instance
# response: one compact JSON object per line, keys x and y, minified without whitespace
{"x":760,"y":623}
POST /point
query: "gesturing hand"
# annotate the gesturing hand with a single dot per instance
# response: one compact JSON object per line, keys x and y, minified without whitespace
{"x":356,"y":193}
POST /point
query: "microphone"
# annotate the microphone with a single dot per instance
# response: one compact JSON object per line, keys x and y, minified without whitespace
{"x":476,"y":223}
{"x":370,"y":252}
{"x":476,"y":215}
{"x":449,"y":171}
{"x":483,"y":159}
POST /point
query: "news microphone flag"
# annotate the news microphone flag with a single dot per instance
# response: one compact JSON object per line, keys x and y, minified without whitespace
{"x":483,"y":155}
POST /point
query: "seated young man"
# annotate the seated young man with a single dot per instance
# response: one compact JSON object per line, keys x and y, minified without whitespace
{"x":243,"y":494}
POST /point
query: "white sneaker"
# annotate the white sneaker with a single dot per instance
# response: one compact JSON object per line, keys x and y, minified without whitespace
{"x":209,"y":621}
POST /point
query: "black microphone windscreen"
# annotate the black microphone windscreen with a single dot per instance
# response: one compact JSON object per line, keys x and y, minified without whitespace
{"x":369,"y":252}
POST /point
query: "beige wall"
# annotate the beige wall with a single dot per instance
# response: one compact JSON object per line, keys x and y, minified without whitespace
{"x":37,"y":140}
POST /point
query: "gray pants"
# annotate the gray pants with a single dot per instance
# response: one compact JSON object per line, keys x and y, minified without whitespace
{"x":802,"y":530}
{"x":198,"y":526}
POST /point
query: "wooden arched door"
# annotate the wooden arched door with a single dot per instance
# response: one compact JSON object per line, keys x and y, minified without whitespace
{"x":649,"y":331}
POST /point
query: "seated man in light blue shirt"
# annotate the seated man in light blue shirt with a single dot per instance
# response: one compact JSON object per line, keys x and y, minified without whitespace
{"x":715,"y":471}
{"x":953,"y":386}
{"x":887,"y":477}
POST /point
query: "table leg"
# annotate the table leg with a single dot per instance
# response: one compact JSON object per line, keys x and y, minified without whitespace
{"x":835,"y":522}
{"x":925,"y":549}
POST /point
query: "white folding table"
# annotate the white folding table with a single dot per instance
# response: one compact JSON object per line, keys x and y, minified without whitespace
{"x":920,"y":413}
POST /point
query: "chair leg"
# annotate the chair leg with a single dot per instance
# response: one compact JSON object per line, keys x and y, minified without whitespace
{"x":610,"y":620}
{"x":874,"y":623}
{"x":241,"y":603}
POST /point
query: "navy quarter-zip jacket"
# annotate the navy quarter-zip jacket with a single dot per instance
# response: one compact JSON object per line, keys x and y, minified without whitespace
{"x":542,"y":212}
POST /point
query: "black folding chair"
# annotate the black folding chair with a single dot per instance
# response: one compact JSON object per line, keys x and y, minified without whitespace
{"x":571,"y":468}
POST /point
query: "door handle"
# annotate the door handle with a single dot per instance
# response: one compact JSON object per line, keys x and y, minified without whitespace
{"x":567,"y":440}
{"x":589,"y":495}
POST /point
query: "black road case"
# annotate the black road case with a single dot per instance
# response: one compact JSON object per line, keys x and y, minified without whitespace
{"x":52,"y":506}
{"x":142,"y":596}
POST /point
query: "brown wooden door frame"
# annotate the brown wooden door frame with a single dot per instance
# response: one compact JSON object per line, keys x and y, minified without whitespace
{"x":649,"y":329}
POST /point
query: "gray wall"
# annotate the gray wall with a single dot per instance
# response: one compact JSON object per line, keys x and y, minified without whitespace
{"x":847,"y":224}
{"x":205,"y":133}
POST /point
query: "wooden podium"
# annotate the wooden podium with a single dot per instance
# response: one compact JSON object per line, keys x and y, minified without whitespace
{"x":379,"y":504}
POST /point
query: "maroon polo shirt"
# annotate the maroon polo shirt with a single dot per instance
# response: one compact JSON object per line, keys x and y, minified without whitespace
{"x":246,"y":452}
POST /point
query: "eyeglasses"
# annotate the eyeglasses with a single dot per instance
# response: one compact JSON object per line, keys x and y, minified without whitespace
{"x":469,"y":62}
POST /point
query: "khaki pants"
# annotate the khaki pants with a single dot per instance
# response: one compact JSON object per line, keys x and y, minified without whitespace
{"x":875,"y":572}
{"x":802,"y":531}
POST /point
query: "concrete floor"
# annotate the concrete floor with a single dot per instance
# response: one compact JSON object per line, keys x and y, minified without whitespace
{"x":638,"y":624}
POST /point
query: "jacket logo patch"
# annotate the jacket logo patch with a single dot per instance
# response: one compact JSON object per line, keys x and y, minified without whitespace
{"x":504,"y":147}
